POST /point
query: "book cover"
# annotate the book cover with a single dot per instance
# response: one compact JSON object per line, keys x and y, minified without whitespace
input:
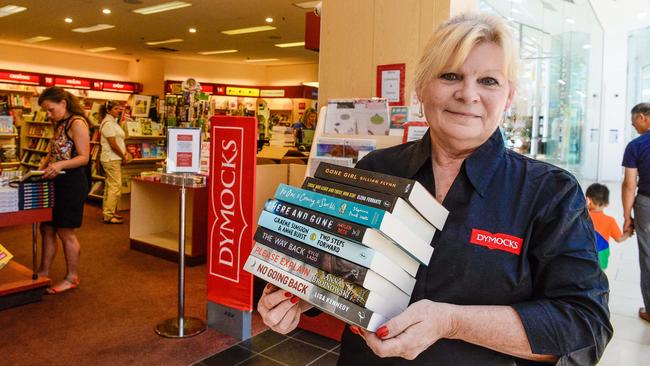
{"x":410,"y":190}
{"x":330,"y":282}
{"x":321,"y":298}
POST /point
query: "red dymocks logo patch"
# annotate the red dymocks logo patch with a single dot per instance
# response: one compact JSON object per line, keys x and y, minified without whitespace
{"x":505,"y":242}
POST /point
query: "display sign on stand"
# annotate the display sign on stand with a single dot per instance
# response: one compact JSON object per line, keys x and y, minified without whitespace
{"x":231,"y":221}
{"x":183,"y":156}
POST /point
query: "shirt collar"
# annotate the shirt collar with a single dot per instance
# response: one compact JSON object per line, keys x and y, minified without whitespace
{"x":480,"y":166}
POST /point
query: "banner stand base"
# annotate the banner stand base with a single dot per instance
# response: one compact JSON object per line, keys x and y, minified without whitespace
{"x":235,"y":323}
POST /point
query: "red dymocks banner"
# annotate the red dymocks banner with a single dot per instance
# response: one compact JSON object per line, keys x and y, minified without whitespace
{"x":231,"y":206}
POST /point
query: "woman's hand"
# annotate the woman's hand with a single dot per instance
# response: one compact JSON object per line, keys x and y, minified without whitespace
{"x":280,"y":310}
{"x":407,"y":335}
{"x":51,"y":171}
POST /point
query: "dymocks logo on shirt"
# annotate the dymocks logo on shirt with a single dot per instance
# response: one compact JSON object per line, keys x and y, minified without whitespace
{"x":505,"y":242}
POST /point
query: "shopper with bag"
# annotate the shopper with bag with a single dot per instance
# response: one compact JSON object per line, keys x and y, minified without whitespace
{"x":67,"y":164}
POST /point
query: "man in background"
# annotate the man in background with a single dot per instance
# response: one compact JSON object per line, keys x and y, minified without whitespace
{"x":636,"y":161}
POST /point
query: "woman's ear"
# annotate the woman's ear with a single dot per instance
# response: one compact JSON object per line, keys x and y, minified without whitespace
{"x":511,"y":96}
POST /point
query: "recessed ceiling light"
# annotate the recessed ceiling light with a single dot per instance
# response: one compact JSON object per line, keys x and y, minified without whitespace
{"x":106,"y":11}
{"x":11,"y":9}
{"x":641,"y":15}
{"x":269,"y":20}
{"x":94,"y":28}
{"x":101,"y":49}
{"x":570,"y":20}
{"x":173,"y":5}
{"x":192,"y":30}
{"x":37,"y":39}
{"x":292,"y":44}
{"x":217,"y":52}
{"x":261,"y":59}
{"x":306,"y":4}
{"x":586,"y":46}
{"x":171,"y":40}
{"x":68,"y":20}
{"x":261,"y":28}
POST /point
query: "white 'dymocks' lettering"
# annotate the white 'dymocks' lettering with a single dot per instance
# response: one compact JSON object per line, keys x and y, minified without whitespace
{"x":227,"y":199}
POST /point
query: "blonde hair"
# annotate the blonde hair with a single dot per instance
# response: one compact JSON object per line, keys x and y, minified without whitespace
{"x":452,"y":41}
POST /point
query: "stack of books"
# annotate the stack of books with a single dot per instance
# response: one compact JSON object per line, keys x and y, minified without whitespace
{"x":350,"y":242}
{"x":37,"y":194}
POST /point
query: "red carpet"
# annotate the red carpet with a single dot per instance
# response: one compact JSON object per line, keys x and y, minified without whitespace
{"x":109,"y":319}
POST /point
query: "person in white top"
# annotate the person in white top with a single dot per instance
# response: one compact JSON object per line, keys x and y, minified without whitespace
{"x":113,"y":154}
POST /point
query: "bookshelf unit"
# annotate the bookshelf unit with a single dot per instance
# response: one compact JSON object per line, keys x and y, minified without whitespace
{"x":35,"y":136}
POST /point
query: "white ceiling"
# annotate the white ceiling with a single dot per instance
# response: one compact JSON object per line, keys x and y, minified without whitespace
{"x":210,"y":17}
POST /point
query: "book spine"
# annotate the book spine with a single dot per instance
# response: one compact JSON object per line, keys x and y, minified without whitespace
{"x":346,"y":249}
{"x":321,"y":298}
{"x":351,"y":193}
{"x":346,"y":210}
{"x":312,"y":256}
{"x":336,"y":285}
{"x":317,"y":220}
{"x":396,"y":186}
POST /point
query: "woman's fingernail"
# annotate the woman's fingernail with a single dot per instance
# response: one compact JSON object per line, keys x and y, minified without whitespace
{"x":294,"y":299}
{"x":354,"y":329}
{"x":382,"y":332}
{"x":287,"y":294}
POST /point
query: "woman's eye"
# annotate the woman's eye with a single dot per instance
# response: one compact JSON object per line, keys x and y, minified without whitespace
{"x":450,"y":76}
{"x":489,"y":81}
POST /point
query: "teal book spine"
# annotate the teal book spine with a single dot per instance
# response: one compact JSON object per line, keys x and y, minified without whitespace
{"x":346,"y":210}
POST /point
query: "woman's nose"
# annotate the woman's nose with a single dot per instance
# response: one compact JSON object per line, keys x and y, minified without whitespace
{"x":467,"y":93}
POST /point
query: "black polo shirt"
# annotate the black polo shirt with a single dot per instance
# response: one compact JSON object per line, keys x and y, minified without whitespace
{"x":519,"y":234}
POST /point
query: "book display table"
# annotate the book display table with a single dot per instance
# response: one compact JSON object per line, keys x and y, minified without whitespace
{"x":19,"y":285}
{"x":155,"y":220}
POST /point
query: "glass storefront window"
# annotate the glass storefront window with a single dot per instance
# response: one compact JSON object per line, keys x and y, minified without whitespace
{"x":638,"y":74}
{"x":556,"y":112}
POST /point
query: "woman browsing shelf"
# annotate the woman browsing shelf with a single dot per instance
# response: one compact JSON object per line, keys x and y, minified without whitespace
{"x":538,"y":298}
{"x":113,"y":155}
{"x":68,"y":152}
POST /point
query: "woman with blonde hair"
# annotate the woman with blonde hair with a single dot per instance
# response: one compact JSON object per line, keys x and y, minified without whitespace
{"x":538,"y":295}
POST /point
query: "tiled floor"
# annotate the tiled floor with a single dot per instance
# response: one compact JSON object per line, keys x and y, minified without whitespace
{"x":298,"y":348}
{"x":629,"y":347}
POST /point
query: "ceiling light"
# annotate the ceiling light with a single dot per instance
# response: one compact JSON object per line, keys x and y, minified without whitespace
{"x":261,"y":28}
{"x":641,"y":15}
{"x":68,"y":20}
{"x":261,"y":59}
{"x":269,"y":20}
{"x":586,"y":47}
{"x":101,"y":49}
{"x":192,"y":30}
{"x":171,"y":40}
{"x":106,"y":11}
{"x":570,"y":20}
{"x":515,"y":11}
{"x":37,"y":39}
{"x":11,"y":9}
{"x":562,"y":82}
{"x":307,"y":4}
{"x":162,"y":7}
{"x":217,"y":52}
{"x":94,"y":28}
{"x":292,"y":44}
{"x":310,"y":83}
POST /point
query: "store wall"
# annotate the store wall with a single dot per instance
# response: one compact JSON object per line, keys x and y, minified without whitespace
{"x":357,"y":36}
{"x":22,"y":58}
{"x":291,"y":74}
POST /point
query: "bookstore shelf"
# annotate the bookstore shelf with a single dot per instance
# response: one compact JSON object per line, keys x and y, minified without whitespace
{"x":35,"y":150}
{"x":145,"y":160}
{"x":9,"y":164}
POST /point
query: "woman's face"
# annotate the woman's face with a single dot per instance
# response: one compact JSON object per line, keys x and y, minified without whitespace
{"x":464,"y":106}
{"x":311,"y":120}
{"x":115,"y":111}
{"x":55,"y":111}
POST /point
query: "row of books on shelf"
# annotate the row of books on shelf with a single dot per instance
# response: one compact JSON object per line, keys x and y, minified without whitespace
{"x":31,"y":158}
{"x":349,"y":242}
{"x":18,"y":100}
{"x":40,"y":131}
{"x":28,"y":195}
{"x":146,"y":150}
{"x":6,"y":125}
{"x":37,"y":144}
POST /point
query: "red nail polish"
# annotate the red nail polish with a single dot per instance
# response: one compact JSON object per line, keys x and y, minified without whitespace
{"x":287,"y":294}
{"x":294,"y":299}
{"x":382,"y":332}
{"x":354,"y":329}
